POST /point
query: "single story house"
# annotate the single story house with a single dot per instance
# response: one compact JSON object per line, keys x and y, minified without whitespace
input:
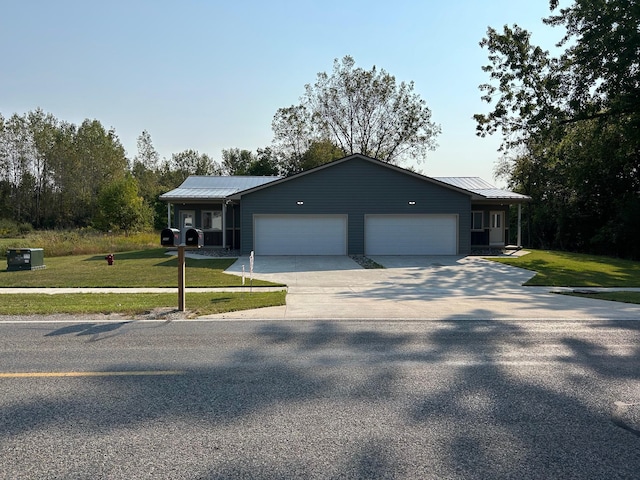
{"x":356,"y":205}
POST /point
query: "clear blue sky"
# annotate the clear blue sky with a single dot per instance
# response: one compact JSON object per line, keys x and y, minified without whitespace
{"x":209,"y":75}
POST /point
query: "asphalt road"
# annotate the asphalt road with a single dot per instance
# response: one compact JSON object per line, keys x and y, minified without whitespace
{"x":450,"y":399}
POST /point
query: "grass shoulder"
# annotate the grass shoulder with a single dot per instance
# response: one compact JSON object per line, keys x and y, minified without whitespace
{"x":624,"y":297}
{"x":135,"y":304}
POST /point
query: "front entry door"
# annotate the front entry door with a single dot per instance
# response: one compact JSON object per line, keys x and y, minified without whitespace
{"x":187,"y":220}
{"x":496,"y":230}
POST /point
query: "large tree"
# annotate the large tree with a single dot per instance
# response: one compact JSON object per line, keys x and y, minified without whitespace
{"x":189,"y":162}
{"x":120,"y":208}
{"x":358,"y":111}
{"x":571,"y":124}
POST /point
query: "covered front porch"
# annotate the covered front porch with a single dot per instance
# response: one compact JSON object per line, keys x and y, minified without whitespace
{"x":203,"y":202}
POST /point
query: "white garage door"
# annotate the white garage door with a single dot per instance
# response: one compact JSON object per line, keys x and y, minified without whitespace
{"x":300,"y":234}
{"x":411,"y":234}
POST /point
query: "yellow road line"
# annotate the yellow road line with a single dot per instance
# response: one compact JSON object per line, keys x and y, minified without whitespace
{"x":89,"y":374}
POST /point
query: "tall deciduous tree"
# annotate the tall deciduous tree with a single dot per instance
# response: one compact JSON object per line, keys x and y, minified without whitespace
{"x":236,"y":161}
{"x":120,"y":208}
{"x":266,"y":163}
{"x":359,"y":111}
{"x":101,"y":159}
{"x":189,"y":162}
{"x":573,"y":122}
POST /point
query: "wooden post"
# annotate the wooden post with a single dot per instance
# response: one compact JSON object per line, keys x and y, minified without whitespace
{"x":181,"y":263}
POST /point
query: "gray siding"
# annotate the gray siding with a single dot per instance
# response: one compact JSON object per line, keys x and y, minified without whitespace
{"x":356,"y":187}
{"x":481,"y":238}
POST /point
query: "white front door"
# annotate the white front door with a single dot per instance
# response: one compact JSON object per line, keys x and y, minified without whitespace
{"x":187,"y":220}
{"x":496,"y":228}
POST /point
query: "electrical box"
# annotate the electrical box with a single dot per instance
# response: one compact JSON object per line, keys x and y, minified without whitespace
{"x":25,"y":259}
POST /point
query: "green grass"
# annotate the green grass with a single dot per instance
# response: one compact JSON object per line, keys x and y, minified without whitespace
{"x":136,"y":304}
{"x":144,"y":268}
{"x":625,"y":297}
{"x":564,"y":269}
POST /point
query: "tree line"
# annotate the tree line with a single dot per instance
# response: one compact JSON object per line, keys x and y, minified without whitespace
{"x":55,"y":174}
{"x":571,"y":125}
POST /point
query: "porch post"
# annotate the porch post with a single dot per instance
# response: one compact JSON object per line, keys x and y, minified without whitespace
{"x":224,"y":224}
{"x":168,"y":215}
{"x":519,"y":225}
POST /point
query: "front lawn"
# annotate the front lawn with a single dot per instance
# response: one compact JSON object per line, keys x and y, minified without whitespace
{"x":144,"y":268}
{"x":565,"y":269}
{"x":135,"y":303}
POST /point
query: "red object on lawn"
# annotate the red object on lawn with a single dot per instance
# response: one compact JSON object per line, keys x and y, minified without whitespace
{"x":109,"y":258}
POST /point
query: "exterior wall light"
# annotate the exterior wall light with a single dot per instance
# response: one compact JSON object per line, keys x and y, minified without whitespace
{"x":300,"y":202}
{"x":412,"y":202}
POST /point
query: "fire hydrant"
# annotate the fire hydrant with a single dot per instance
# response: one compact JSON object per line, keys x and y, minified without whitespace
{"x":109,"y":258}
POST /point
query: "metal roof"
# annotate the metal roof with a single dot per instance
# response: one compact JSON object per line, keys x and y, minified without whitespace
{"x":481,"y":187}
{"x":214,"y":187}
{"x":204,"y":188}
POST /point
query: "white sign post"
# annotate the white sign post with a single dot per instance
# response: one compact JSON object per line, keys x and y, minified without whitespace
{"x":251,"y":258}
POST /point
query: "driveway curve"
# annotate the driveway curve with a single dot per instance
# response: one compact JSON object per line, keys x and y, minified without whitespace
{"x":336,"y":287}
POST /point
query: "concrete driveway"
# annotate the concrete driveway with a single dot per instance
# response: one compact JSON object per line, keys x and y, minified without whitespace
{"x":335,"y":287}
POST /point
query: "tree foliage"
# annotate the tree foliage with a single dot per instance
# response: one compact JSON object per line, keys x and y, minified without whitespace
{"x":120,"y":208}
{"x":358,"y":111}
{"x":572,"y":124}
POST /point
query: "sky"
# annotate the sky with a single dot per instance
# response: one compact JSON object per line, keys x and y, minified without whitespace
{"x":210,"y":75}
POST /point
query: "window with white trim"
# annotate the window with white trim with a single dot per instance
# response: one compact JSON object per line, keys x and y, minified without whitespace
{"x":212,"y":220}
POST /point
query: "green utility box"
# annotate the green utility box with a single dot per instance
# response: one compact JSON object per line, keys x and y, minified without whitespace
{"x":25,"y":259}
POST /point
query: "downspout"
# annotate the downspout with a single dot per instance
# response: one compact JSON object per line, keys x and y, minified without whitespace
{"x":224,"y":224}
{"x":519,"y":225}
{"x":233,"y":225}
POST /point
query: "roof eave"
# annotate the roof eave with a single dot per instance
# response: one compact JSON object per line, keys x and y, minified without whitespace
{"x":501,"y":200}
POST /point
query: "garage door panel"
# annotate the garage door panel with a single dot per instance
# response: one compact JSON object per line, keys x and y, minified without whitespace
{"x":411,"y":234}
{"x":300,"y":234}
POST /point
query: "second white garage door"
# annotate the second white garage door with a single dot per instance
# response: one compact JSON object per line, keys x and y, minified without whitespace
{"x":411,"y":234}
{"x":300,"y":234}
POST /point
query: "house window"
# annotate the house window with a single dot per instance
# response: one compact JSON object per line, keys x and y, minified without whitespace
{"x":211,"y":220}
{"x":496,"y":220}
{"x":477,"y":222}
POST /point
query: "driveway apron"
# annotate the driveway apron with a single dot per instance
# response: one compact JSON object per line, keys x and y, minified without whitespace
{"x":438,"y":287}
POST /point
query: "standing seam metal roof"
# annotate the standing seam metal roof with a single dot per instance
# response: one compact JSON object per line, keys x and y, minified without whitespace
{"x":481,"y":187}
{"x":214,"y":187}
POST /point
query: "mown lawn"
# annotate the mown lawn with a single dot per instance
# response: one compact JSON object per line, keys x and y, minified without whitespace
{"x":144,"y":268}
{"x":565,"y":269}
